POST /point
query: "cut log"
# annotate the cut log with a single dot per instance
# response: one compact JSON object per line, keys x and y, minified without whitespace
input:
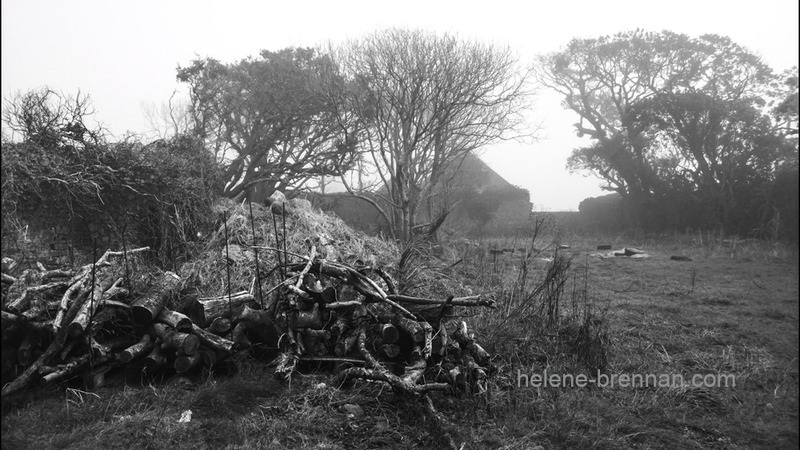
{"x":249,"y":314}
{"x":34,"y":313}
{"x":18,"y":305}
{"x":55,"y":347}
{"x":70,"y":368}
{"x":213,"y":341}
{"x":220,"y":326}
{"x":57,"y":273}
{"x":176,"y":320}
{"x":388,"y":333}
{"x":102,"y":282}
{"x":260,"y":325}
{"x":76,"y":289}
{"x":172,"y":340}
{"x":223,"y":307}
{"x":147,"y":307}
{"x":405,"y":385}
{"x":107,"y":350}
{"x":115,"y":292}
{"x":143,"y":347}
{"x":30,"y":277}
{"x":155,"y":360}
{"x":239,"y":335}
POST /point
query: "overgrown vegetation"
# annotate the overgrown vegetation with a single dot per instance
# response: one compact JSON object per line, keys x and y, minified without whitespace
{"x":158,"y":194}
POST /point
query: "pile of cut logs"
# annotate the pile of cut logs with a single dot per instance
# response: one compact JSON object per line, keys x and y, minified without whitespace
{"x":85,"y":322}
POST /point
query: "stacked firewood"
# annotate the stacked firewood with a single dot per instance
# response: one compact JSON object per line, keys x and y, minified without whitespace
{"x":329,"y":311}
{"x":86,"y":322}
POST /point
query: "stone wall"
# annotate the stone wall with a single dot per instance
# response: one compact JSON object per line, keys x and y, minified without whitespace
{"x":54,"y":238}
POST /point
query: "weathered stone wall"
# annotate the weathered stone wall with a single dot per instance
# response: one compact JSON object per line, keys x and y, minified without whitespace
{"x":47,"y":235}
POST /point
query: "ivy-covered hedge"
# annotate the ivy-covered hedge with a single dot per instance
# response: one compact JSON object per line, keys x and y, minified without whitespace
{"x":160,"y":193}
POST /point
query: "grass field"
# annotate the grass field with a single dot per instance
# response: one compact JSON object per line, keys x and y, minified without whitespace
{"x":732,"y":310}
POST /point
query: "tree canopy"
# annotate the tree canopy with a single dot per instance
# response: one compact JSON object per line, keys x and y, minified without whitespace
{"x":272,"y":120}
{"x":672,"y":119}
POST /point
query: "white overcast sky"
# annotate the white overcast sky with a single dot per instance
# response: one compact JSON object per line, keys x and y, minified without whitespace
{"x":124,"y":53}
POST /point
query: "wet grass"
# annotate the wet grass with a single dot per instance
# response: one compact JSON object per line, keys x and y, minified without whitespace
{"x":731,"y":310}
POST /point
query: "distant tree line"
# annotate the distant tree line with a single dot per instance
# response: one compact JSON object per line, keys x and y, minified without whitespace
{"x":690,"y":132}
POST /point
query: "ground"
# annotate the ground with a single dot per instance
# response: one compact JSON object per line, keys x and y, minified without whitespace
{"x":733,"y":309}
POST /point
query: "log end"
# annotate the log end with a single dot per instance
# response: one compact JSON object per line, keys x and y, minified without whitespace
{"x":184,"y":326}
{"x":190,"y":344}
{"x":141,"y":316}
{"x":184,"y":364}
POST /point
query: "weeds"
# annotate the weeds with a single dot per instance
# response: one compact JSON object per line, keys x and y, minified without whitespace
{"x":559,"y":311}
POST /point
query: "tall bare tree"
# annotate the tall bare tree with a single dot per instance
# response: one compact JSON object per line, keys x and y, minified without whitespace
{"x":427,"y":100}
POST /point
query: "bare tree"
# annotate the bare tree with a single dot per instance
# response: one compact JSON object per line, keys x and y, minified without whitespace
{"x":171,"y":118}
{"x":426,"y":101}
{"x":48,"y":118}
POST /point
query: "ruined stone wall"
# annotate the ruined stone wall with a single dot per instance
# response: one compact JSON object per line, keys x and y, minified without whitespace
{"x":49,"y":236}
